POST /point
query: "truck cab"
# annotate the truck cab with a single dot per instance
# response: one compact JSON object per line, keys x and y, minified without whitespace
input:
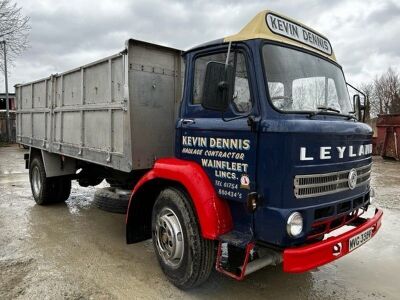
{"x":267,"y":114}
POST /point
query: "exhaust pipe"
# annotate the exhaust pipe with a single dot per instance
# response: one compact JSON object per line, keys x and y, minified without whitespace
{"x":271,"y":258}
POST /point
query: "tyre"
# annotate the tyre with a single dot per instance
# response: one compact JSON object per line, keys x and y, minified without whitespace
{"x":184,"y":256}
{"x":112,"y":199}
{"x":47,"y":190}
{"x":64,"y":189}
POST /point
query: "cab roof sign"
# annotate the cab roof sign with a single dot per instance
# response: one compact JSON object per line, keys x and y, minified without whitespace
{"x":271,"y":26}
{"x":297,"y":32}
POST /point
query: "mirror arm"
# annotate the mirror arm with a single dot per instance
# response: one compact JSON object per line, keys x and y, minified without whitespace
{"x":360,"y":92}
{"x":227,"y":55}
{"x":356,"y":89}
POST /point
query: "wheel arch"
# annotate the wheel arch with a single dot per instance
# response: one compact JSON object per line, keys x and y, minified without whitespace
{"x":33,"y":152}
{"x":54,"y":164}
{"x":213,"y":213}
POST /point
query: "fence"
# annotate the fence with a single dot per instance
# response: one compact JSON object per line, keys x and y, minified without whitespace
{"x":3,"y":126}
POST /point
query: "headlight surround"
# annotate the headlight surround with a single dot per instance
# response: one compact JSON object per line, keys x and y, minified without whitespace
{"x":294,"y":225}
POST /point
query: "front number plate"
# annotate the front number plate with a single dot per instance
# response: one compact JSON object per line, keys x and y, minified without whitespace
{"x":359,"y":239}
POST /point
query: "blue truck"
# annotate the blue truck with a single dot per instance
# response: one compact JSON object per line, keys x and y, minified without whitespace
{"x":239,"y":153}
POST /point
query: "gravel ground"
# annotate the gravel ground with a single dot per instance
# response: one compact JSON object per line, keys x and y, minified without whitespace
{"x":76,"y":251}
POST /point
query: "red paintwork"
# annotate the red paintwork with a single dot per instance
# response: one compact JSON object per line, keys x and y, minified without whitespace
{"x":241,"y":276}
{"x":327,"y":224}
{"x":213,"y":212}
{"x":305,"y":258}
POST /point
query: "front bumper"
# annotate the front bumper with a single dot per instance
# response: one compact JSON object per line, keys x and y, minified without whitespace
{"x":301,"y":259}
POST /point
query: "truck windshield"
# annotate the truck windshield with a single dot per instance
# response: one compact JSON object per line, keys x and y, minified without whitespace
{"x":300,"y":82}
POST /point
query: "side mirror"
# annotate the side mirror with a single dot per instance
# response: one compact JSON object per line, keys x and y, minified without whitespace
{"x":359,"y":107}
{"x":218,"y":86}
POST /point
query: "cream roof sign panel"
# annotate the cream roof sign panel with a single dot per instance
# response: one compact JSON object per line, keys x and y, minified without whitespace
{"x":271,"y":26}
{"x":297,"y":32}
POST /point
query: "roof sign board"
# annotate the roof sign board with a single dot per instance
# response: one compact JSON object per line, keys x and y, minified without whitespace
{"x":297,"y":32}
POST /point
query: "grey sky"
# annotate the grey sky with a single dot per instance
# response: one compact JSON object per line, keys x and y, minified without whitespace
{"x":65,"y":34}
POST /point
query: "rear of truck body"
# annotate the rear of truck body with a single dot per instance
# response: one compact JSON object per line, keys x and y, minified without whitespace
{"x":269,"y":175}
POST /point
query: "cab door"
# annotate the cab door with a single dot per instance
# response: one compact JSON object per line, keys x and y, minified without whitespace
{"x":223,"y":142}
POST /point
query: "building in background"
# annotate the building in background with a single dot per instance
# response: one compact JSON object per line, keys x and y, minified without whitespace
{"x":11,"y":101}
{"x":3,"y":116}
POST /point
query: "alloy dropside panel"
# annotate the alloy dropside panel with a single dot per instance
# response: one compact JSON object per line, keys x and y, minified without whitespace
{"x":100,"y":112}
{"x":79,"y":113}
{"x":33,"y":108}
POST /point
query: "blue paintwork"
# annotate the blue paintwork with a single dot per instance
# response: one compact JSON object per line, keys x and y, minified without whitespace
{"x":274,"y":156}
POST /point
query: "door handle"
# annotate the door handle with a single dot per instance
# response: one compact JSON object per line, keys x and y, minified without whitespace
{"x":187,"y":121}
{"x":252,"y":122}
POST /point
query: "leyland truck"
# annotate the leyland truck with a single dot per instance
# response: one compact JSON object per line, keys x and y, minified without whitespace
{"x":240,"y":153}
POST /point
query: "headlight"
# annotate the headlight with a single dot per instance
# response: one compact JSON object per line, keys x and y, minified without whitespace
{"x":371,"y":195}
{"x":294,"y":224}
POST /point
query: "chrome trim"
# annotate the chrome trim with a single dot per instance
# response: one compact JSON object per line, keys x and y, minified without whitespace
{"x":313,"y":185}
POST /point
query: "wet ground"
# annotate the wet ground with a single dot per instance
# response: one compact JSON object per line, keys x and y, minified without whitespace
{"x":76,"y":251}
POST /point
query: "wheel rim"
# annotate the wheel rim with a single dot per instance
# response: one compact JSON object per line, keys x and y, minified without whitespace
{"x":169,"y":238}
{"x":36,"y":181}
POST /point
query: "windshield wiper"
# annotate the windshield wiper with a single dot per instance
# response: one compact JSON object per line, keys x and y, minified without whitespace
{"x":322,"y":109}
{"x":327,"y":108}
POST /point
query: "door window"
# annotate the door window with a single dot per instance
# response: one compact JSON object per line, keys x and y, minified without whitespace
{"x":241,"y":99}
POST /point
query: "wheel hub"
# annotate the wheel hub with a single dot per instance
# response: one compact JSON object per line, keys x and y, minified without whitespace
{"x":36,"y":181}
{"x":169,"y":237}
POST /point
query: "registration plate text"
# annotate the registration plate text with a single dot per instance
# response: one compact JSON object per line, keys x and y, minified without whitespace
{"x":359,"y":239}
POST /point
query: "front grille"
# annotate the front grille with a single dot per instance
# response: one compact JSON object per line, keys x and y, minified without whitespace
{"x":314,"y":185}
{"x":320,"y":228}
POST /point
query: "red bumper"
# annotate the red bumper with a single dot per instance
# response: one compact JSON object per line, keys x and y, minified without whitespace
{"x":305,"y":258}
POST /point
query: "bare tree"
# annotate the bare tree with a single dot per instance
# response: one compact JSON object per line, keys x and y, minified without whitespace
{"x":371,"y":108}
{"x":14,"y":30}
{"x":387,"y":92}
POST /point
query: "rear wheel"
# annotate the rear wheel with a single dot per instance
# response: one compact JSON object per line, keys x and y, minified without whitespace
{"x":184,"y":256}
{"x":47,"y":190}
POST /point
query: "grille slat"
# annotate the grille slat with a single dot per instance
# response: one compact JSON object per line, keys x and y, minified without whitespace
{"x":325,"y":183}
{"x":314,"y":185}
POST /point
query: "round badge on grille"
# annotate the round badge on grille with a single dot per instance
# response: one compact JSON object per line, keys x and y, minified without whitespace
{"x":352,"y":179}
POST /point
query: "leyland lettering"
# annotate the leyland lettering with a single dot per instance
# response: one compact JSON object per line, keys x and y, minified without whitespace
{"x":337,"y":152}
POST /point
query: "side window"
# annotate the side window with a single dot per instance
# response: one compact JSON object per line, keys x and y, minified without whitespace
{"x":200,"y":66}
{"x":241,"y":94}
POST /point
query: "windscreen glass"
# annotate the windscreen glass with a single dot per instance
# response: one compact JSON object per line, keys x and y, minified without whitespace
{"x":300,"y":82}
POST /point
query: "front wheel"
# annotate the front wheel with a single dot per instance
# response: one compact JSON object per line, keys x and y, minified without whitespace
{"x":184,"y":256}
